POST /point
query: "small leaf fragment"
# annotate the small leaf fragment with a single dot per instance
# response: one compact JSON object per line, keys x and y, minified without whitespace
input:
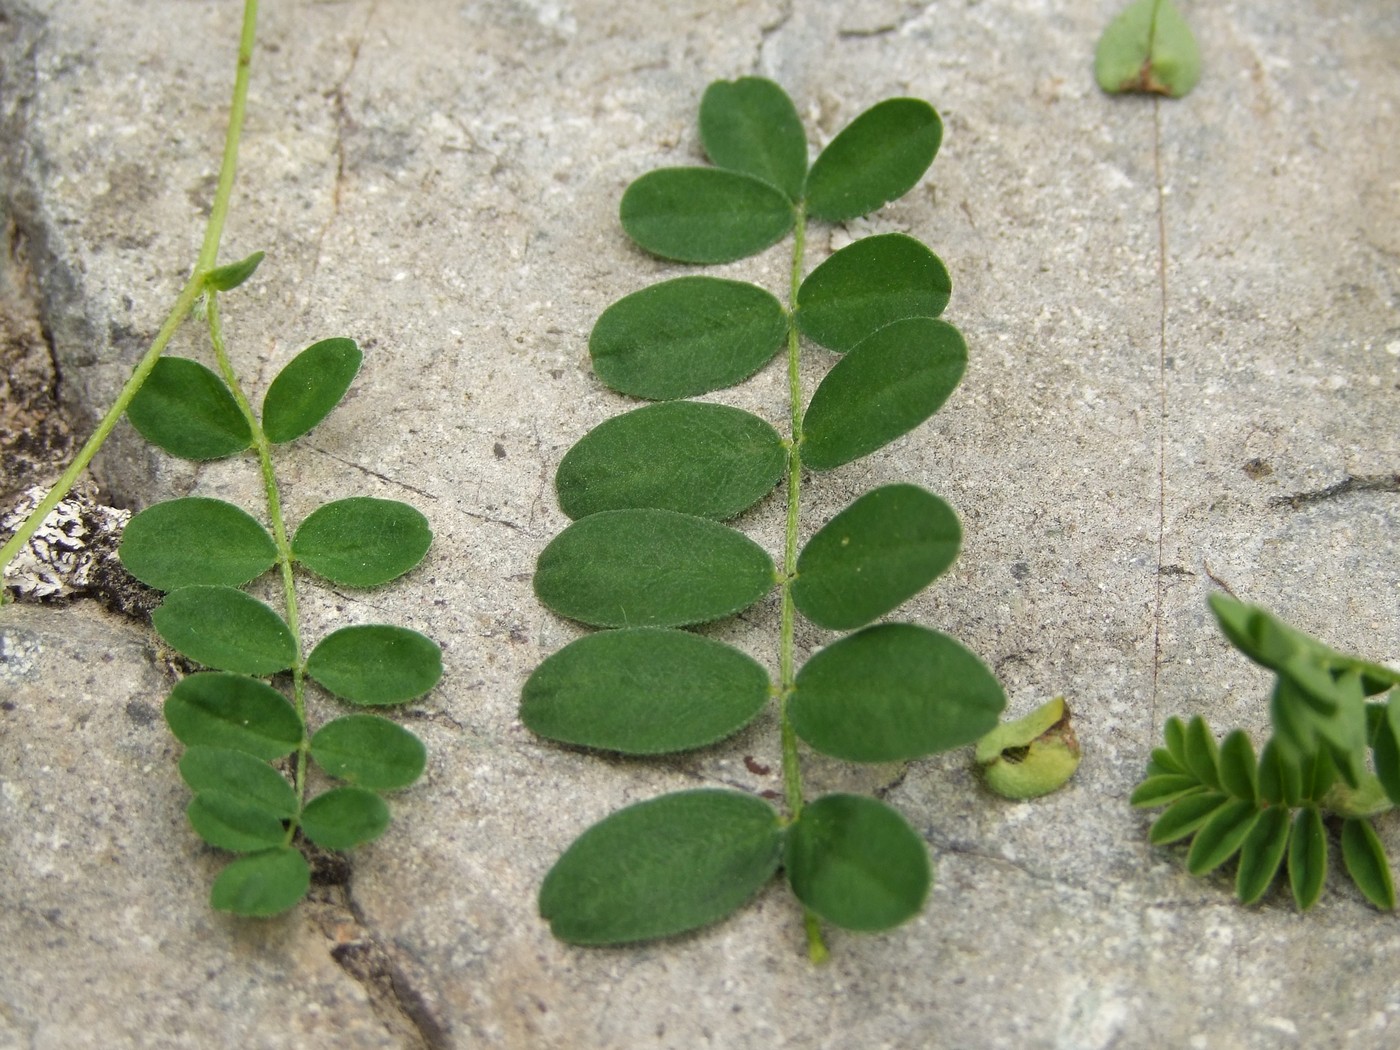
{"x":1366,"y":862}
{"x":750,"y":126}
{"x":231,"y":823}
{"x":229,"y":276}
{"x":362,"y":542}
{"x":262,"y":884}
{"x":226,"y":629}
{"x":376,"y":664}
{"x":875,"y":159}
{"x":1307,"y":857}
{"x":218,"y":709}
{"x":344,"y":817}
{"x":240,"y":776}
{"x":309,"y":386}
{"x":857,"y":863}
{"x":686,"y":336}
{"x":1262,"y":854}
{"x":1148,"y":48}
{"x":195,"y":541}
{"x":1033,"y":755}
{"x":704,"y":215}
{"x":370,"y":752}
{"x":662,"y":867}
{"x":189,"y":412}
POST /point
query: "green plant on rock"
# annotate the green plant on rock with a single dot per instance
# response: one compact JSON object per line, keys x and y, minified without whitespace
{"x":648,"y":554}
{"x":1271,"y":810}
{"x":1148,"y":49}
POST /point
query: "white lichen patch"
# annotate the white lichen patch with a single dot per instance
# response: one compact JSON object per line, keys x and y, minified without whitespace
{"x":60,"y":560}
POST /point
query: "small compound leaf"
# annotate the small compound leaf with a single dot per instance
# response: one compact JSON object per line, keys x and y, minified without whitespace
{"x":1280,"y":779}
{"x":309,"y":387}
{"x":1220,"y":837}
{"x":188,"y":411}
{"x":376,"y":664}
{"x":650,"y":568}
{"x":750,"y":126}
{"x":1307,"y":857}
{"x":1184,"y":816}
{"x":662,"y":867}
{"x":1164,"y":788}
{"x":241,"y":777}
{"x":704,"y":215}
{"x":687,"y":336}
{"x":884,"y":548}
{"x":1202,"y":753}
{"x":857,"y":863}
{"x":369,"y":752}
{"x":643,"y":691}
{"x":1148,"y":48}
{"x":881,"y":390}
{"x":262,"y":884}
{"x":228,"y":277}
{"x":224,"y":628}
{"x":712,"y":461}
{"x":195,"y":540}
{"x":875,"y":159}
{"x":1366,"y":862}
{"x":1238,"y":768}
{"x":345,"y":817}
{"x":893,"y":692}
{"x":1261,"y":854}
{"x":230,"y":823}
{"x":867,"y":285}
{"x":216,"y":709}
{"x":362,"y":542}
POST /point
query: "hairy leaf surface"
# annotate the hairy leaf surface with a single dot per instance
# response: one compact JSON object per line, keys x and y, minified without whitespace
{"x":218,"y":709}
{"x":750,"y":126}
{"x":262,"y":884}
{"x":344,"y":817}
{"x":704,"y":215}
{"x":186,"y":410}
{"x":309,"y":387}
{"x":195,"y":541}
{"x":239,"y":776}
{"x":369,"y":751}
{"x":376,"y":664}
{"x":875,"y":159}
{"x":232,"y":823}
{"x":362,"y":542}
{"x":226,"y":629}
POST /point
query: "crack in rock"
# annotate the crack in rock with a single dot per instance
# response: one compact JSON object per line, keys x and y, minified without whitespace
{"x":1348,"y":485}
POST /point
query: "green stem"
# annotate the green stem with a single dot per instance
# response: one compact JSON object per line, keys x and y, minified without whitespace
{"x":184,"y":303}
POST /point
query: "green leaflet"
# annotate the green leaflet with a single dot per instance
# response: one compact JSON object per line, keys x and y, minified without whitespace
{"x":239,"y":776}
{"x":1386,"y":750}
{"x":309,"y":387}
{"x":685,"y":337}
{"x":643,"y":691}
{"x":362,"y":542}
{"x":750,"y":126}
{"x":217,"y":709}
{"x":1185,"y":816}
{"x":345,"y":817}
{"x":228,"y":277}
{"x":231,"y":823}
{"x":188,"y":411}
{"x":1202,"y":753}
{"x":1149,"y":48}
{"x":195,"y":541}
{"x":857,"y":863}
{"x":650,"y":568}
{"x":1238,"y":768}
{"x":1261,"y":854}
{"x":893,"y":692}
{"x":867,"y":285}
{"x":1366,"y":863}
{"x":225,"y":629}
{"x":662,"y":867}
{"x":369,"y":751}
{"x":704,"y":215}
{"x":882,"y":549}
{"x":262,"y":884}
{"x":877,"y":158}
{"x":1307,"y":857}
{"x":881,"y":390}
{"x":708,"y":460}
{"x":1162,"y":789}
{"x":376,"y":664}
{"x":1280,"y":778}
{"x":1221,"y":836}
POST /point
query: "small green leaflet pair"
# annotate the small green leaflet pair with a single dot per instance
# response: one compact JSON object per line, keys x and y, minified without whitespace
{"x":648,"y":552}
{"x":1270,"y":808}
{"x":203,"y":551}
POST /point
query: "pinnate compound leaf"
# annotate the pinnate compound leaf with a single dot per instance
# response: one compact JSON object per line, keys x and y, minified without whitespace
{"x":708,"y":460}
{"x":1148,"y":48}
{"x":650,"y":568}
{"x":231,"y":823}
{"x":750,"y":126}
{"x":857,"y":863}
{"x":1164,"y":788}
{"x":217,"y":709}
{"x":1307,"y":857}
{"x":224,"y":628}
{"x":867,"y":285}
{"x":309,"y":387}
{"x":188,"y":411}
{"x":881,"y":390}
{"x":686,"y":336}
{"x":262,"y":884}
{"x":875,"y":159}
{"x":1262,"y":854}
{"x":241,"y":777}
{"x":893,"y":692}
{"x":370,"y":752}
{"x":704,"y":215}
{"x":1221,"y":836}
{"x":1202,"y":753}
{"x":376,"y":664}
{"x":1185,"y":816}
{"x":884,"y":548}
{"x":1366,"y":862}
{"x":1238,"y":767}
{"x":662,"y":867}
{"x":344,"y":817}
{"x":229,"y":276}
{"x":195,"y":540}
{"x":362,"y":542}
{"x":643,"y":691}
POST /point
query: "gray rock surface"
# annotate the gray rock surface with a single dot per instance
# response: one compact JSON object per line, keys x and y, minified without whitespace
{"x":1185,"y":367}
